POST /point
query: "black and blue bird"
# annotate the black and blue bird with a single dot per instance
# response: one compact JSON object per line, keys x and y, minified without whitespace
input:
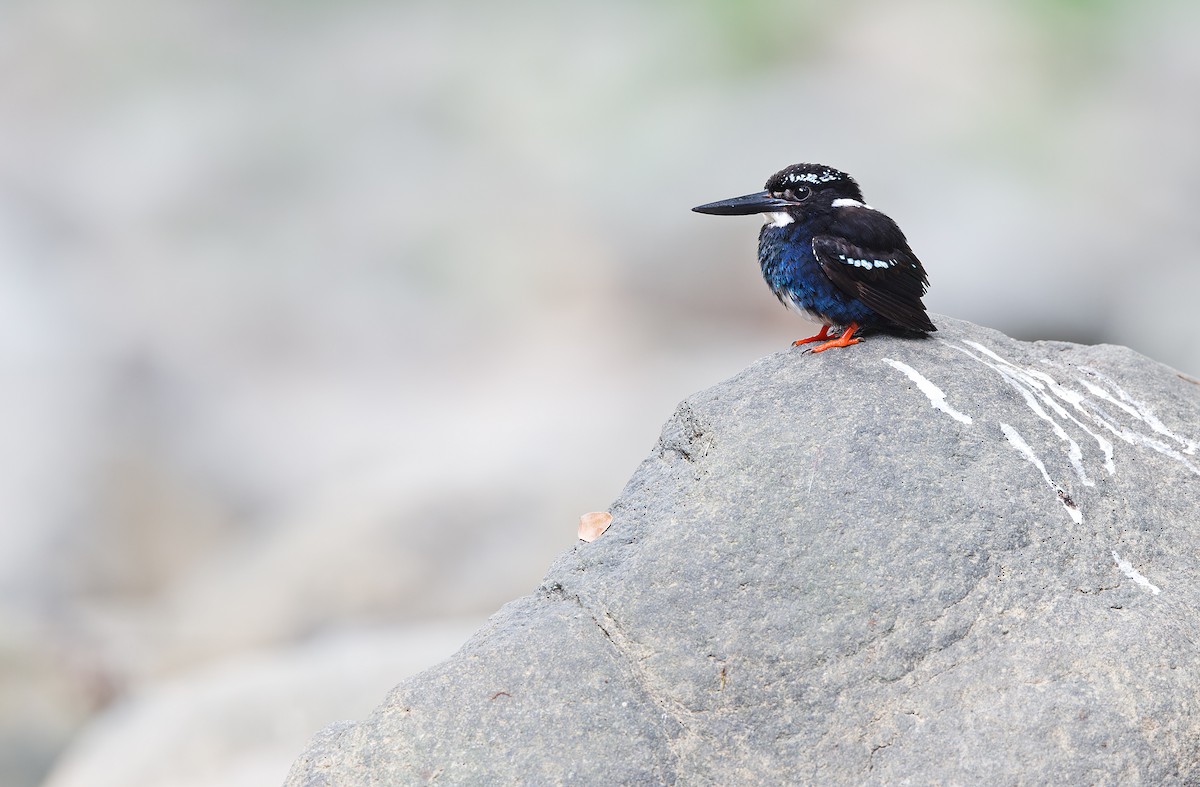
{"x":833,"y":258}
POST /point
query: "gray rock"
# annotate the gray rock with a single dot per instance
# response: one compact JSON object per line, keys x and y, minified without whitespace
{"x":963,"y":559}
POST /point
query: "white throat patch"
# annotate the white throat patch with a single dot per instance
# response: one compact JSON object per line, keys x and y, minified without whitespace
{"x":778,"y":219}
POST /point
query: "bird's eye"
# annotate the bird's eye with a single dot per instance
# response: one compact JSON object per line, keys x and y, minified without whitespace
{"x":798,"y":193}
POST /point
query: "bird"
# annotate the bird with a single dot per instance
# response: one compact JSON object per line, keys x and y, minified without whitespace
{"x":827,"y":254}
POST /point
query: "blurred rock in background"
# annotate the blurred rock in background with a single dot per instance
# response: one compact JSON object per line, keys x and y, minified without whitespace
{"x":325,"y":317}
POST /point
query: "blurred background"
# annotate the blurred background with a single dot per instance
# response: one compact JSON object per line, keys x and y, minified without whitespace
{"x":322,"y":322}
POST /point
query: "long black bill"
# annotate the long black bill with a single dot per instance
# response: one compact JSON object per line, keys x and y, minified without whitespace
{"x":762,"y":202}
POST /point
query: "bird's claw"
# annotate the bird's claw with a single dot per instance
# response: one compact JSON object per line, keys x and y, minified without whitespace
{"x":841,"y":341}
{"x":845,"y":340}
{"x":820,"y":337}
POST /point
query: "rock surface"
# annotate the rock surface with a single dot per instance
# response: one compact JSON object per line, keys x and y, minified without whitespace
{"x":963,"y":559}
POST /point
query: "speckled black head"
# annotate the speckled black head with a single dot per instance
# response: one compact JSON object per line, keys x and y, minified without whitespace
{"x":792,"y":191}
{"x":799,"y":182}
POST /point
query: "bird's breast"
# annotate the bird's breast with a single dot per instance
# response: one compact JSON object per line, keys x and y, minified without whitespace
{"x":791,"y":270}
{"x":788,"y":264}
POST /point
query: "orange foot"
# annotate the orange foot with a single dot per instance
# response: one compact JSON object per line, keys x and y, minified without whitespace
{"x":845,"y":340}
{"x":820,"y":337}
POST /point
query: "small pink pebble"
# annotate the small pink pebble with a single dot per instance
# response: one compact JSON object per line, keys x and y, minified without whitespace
{"x":593,"y":525}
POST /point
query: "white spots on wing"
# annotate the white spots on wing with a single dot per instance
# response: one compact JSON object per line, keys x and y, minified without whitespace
{"x":868,"y":264}
{"x":778,"y":219}
{"x":1128,"y":570}
{"x":844,"y":202}
{"x":936,"y":397}
{"x":1018,"y":442}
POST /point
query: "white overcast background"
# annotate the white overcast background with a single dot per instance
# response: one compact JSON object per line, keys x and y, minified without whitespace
{"x":322,"y":322}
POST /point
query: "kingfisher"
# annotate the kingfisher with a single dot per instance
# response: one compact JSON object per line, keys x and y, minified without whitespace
{"x":827,"y":254}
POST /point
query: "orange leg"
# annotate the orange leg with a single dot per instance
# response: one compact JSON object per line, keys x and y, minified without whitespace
{"x":820,"y":337}
{"x":844,"y":340}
